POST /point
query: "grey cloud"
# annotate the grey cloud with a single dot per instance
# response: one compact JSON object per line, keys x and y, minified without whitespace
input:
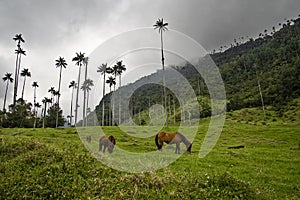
{"x":60,"y":28}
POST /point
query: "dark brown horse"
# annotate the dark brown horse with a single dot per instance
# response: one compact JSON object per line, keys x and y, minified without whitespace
{"x":172,"y":138}
{"x":108,"y":142}
{"x":89,"y":138}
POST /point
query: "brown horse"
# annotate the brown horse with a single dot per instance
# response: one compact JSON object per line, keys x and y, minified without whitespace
{"x":108,"y":142}
{"x":172,"y":138}
{"x":89,"y":138}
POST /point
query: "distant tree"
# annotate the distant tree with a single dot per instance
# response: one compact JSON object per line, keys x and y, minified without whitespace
{"x":52,"y":91}
{"x":115,"y":72}
{"x":103,"y":70}
{"x":37,"y":105}
{"x":87,"y":87}
{"x":34,"y":85}
{"x":45,"y":102}
{"x":120,"y":69}
{"x":85,"y":62}
{"x":19,"y":51}
{"x":55,"y":94}
{"x":162,"y":26}
{"x":52,"y":115}
{"x":61,"y":63}
{"x":73,"y":86}
{"x":7,"y":77}
{"x":25,"y":73}
{"x":21,"y":115}
{"x":79,"y":60}
{"x":111,"y":81}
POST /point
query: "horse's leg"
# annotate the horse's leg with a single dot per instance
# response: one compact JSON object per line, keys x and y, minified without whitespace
{"x":177,"y":148}
{"x":100,"y":147}
{"x":104,"y":148}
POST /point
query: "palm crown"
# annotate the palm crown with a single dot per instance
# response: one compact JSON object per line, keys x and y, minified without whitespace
{"x":104,"y":69}
{"x":35,"y":84}
{"x":160,"y":25}
{"x":79,"y":58}
{"x":7,"y":77}
{"x":18,"y":38}
{"x":25,"y":72}
{"x":72,"y":84}
{"x":111,"y":81}
{"x":61,"y":62}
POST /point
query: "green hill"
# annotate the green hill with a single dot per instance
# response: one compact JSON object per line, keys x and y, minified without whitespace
{"x":270,"y":62}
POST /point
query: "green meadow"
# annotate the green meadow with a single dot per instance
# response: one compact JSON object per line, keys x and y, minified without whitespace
{"x":55,"y":164}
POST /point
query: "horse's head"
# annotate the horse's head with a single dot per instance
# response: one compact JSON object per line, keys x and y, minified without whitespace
{"x":111,"y":144}
{"x":189,"y":148}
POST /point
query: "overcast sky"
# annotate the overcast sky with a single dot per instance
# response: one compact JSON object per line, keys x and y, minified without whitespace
{"x":62,"y":27}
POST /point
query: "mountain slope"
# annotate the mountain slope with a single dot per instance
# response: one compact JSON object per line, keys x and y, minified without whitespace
{"x":271,"y":62}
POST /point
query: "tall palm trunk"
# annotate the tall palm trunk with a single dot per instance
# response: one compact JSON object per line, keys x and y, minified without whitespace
{"x":103,"y":99}
{"x":261,"y":96}
{"x":57,"y":111}
{"x":34,"y":107}
{"x":77,"y":94}
{"x":119,"y":100}
{"x":71,"y":114}
{"x":84,"y":99}
{"x":87,"y":107}
{"x":16,"y":82}
{"x":164,"y":81}
{"x":23,"y":87}
{"x":45,"y":109}
{"x":4,"y":103}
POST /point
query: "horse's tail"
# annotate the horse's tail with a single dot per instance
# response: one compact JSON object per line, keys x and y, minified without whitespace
{"x":156,"y":142}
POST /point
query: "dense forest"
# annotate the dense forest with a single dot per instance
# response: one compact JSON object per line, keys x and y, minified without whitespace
{"x":259,"y":72}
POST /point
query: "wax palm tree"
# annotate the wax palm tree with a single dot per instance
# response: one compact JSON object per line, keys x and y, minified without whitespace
{"x":61,"y":63}
{"x":37,"y":105}
{"x":56,"y":94}
{"x":103,"y":70}
{"x":85,"y":62}
{"x":52,"y":91}
{"x":34,"y":85}
{"x":73,"y":86}
{"x":7,"y":77}
{"x":111,"y":81}
{"x":120,"y":68}
{"x":19,"y":51}
{"x":162,"y":26}
{"x":25,"y":73}
{"x":79,"y":59}
{"x":86,"y":86}
{"x":115,"y":72}
{"x":45,"y":102}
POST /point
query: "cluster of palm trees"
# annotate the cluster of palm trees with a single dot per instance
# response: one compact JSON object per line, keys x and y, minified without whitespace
{"x":54,"y":100}
{"x":115,"y":71}
{"x":80,"y":60}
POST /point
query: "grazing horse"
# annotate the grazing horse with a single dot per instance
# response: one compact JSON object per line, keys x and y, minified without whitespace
{"x":172,"y":138}
{"x":108,"y":142}
{"x":89,"y":138}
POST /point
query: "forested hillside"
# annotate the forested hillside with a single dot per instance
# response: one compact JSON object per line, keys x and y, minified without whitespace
{"x":261,"y":71}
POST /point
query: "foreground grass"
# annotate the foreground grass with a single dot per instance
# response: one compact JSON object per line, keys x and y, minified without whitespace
{"x":53,"y":163}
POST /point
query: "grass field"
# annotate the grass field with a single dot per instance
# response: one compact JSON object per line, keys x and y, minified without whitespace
{"x":54,"y":163}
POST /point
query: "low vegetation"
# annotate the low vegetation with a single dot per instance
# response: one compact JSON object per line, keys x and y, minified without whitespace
{"x":53,"y":163}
